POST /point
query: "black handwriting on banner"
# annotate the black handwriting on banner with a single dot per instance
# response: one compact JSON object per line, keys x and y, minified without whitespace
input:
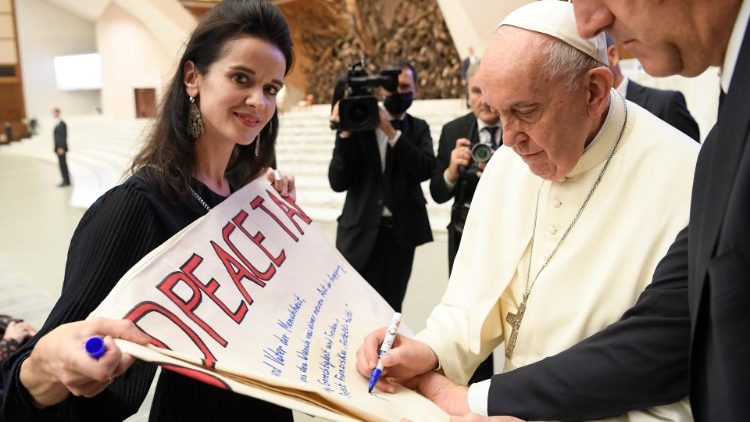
{"x":240,"y":271}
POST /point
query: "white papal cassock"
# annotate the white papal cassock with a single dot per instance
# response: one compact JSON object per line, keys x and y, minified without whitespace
{"x":598,"y":272}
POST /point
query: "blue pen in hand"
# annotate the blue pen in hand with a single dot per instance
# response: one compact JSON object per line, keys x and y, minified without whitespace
{"x":95,"y":347}
{"x":390,"y":335}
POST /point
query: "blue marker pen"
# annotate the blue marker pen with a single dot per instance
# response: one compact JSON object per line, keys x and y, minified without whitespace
{"x":390,"y":335}
{"x":95,"y":347}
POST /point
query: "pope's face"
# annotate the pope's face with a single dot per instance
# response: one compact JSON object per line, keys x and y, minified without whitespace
{"x":667,"y":36}
{"x":544,"y":122}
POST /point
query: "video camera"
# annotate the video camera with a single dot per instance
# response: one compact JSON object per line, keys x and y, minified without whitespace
{"x":358,"y":111}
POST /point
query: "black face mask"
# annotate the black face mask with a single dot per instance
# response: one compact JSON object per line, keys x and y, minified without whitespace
{"x":397,"y":104}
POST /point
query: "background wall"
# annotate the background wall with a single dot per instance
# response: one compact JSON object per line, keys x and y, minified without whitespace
{"x":134,"y":55}
{"x":701,"y":92}
{"x":472,"y":23}
{"x":139,"y":41}
{"x":45,"y":31}
{"x":131,"y":58}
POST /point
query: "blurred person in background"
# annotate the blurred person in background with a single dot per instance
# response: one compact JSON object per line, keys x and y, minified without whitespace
{"x":60,"y":134}
{"x":456,"y":174}
{"x":667,"y":105}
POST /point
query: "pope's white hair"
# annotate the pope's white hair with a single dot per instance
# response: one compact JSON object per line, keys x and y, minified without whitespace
{"x":561,"y":61}
{"x":565,"y":62}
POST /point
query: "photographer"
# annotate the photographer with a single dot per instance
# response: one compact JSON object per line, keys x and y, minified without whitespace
{"x":384,"y":217}
{"x":457,"y":174}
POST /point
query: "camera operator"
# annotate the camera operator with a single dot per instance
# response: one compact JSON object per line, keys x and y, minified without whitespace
{"x":456,"y":174}
{"x":384,"y":217}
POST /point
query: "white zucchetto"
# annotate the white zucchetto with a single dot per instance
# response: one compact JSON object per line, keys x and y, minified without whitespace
{"x":556,"y":19}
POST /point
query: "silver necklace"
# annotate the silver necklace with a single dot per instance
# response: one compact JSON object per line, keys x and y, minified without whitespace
{"x":515,"y":319}
{"x":199,"y":199}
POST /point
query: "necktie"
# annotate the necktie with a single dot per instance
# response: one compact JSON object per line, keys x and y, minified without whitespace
{"x":397,"y":124}
{"x":492,"y":130}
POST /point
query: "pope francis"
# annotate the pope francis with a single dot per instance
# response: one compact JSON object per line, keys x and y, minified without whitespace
{"x":569,"y":220}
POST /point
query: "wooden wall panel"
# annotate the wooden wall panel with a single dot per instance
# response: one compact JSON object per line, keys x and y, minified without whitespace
{"x":330,"y":35}
{"x":12,"y":107}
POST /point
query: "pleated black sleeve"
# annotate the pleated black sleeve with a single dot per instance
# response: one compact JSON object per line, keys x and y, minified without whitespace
{"x":118,"y":230}
{"x":112,"y":236}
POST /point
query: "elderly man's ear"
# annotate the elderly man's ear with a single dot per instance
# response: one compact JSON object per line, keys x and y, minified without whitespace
{"x":598,"y":81}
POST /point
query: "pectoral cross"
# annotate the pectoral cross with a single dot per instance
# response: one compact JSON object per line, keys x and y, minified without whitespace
{"x":515,"y":321}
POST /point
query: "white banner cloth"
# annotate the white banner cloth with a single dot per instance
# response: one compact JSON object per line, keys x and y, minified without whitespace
{"x":252,"y":298}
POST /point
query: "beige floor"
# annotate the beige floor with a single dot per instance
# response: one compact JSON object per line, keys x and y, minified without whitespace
{"x":38,"y":224}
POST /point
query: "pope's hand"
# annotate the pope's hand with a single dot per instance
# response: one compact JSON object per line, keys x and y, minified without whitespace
{"x":453,"y":399}
{"x":449,"y":396}
{"x":406,"y":360}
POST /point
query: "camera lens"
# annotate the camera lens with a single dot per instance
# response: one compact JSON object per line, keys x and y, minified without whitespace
{"x":481,"y":153}
{"x":358,"y":113}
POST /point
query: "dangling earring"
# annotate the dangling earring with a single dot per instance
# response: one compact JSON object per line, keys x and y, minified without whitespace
{"x":195,"y":122}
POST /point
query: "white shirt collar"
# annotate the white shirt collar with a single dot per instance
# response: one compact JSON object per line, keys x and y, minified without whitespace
{"x":481,"y":124}
{"x":486,"y":138}
{"x":733,"y":47}
{"x":623,"y":87}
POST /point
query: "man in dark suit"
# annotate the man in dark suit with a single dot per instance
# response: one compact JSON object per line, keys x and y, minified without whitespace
{"x":60,"y":134}
{"x":456,"y":177}
{"x":688,"y":332}
{"x":667,"y":105}
{"x":384,"y":217}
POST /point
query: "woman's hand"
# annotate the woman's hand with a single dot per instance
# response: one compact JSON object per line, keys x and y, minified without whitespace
{"x":18,"y":331}
{"x":59,"y":365}
{"x":283,"y":183}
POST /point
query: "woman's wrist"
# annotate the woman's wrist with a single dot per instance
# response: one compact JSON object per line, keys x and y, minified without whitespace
{"x":43,"y":388}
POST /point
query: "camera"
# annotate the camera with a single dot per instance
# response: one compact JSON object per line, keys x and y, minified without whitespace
{"x":358,"y":111}
{"x":480,"y":153}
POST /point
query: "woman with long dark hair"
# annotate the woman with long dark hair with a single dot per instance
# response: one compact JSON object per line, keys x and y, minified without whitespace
{"x":218,"y":115}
